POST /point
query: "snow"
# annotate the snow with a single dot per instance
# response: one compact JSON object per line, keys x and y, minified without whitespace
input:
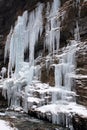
{"x":32,"y":99}
{"x":79,"y":76}
{"x":64,"y":107}
{"x":5,"y":125}
{"x":2,"y":114}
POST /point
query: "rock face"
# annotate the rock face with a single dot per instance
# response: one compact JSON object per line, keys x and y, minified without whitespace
{"x":81,"y":81}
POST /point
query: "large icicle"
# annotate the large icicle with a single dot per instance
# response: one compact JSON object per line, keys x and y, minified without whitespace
{"x":53,"y":28}
{"x":16,"y":56}
{"x":25,"y":34}
{"x":7,"y":46}
{"x":35,"y":27}
{"x":65,"y":68}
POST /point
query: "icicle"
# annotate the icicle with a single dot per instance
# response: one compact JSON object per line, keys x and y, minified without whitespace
{"x":53,"y":28}
{"x":25,"y":34}
{"x":3,"y":72}
{"x":58,"y":75}
{"x":76,"y":32}
{"x":7,"y":45}
{"x":37,"y":72}
{"x":17,"y":46}
{"x":54,"y":118}
{"x":54,"y":97}
{"x":35,"y":28}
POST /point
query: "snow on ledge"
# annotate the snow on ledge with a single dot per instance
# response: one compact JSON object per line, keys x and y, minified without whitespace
{"x":64,"y":108}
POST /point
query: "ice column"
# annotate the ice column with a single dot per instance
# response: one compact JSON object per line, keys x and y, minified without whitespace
{"x":65,"y":68}
{"x":16,"y":56}
{"x":53,"y":28}
{"x":35,"y":26}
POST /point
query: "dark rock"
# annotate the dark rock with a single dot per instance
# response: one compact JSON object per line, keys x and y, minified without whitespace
{"x":47,"y":75}
{"x":79,"y":123}
{"x":3,"y":101}
{"x":81,"y":90}
{"x":44,"y":74}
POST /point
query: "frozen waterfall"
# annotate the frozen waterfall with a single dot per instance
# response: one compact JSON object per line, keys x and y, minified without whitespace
{"x":23,"y":81}
{"x":23,"y":35}
{"x":53,"y":27}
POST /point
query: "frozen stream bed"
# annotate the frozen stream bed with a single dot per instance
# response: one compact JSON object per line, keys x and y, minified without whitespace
{"x":24,"y":122}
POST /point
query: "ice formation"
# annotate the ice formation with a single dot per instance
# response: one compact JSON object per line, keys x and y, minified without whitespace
{"x":53,"y":27}
{"x":76,"y":34}
{"x":3,"y":72}
{"x":23,"y":88}
{"x":24,"y":35}
{"x":66,"y":67}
